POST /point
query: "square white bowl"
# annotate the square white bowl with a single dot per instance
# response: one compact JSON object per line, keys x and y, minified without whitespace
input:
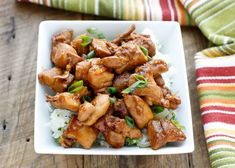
{"x":168,"y":35}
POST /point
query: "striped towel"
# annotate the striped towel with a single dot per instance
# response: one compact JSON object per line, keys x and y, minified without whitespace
{"x":124,"y":9}
{"x":216,"y":77}
{"x":215,"y":73}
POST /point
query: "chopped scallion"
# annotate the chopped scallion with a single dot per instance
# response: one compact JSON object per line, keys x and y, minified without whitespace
{"x":91,"y":54}
{"x":130,"y":122}
{"x":144,"y":50}
{"x":112,"y":100}
{"x":112,"y":90}
{"x":76,"y":86}
{"x":157,"y":109}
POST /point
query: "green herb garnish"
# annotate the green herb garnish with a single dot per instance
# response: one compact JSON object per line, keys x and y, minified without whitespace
{"x":57,"y":140}
{"x":95,"y":33}
{"x":86,"y":40}
{"x":140,"y":83}
{"x":112,"y":100}
{"x":112,"y":90}
{"x":130,"y":122}
{"x":91,"y":54}
{"x":86,"y":98}
{"x":144,"y":50}
{"x":177,"y":124}
{"x":131,"y":141}
{"x":76,"y":86}
{"x":157,"y":109}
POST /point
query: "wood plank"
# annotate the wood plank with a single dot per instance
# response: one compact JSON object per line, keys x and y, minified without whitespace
{"x":18,"y":46}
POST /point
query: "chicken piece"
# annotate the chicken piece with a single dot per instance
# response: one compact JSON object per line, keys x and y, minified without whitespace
{"x":76,"y":132}
{"x":155,"y":67}
{"x":120,"y":109}
{"x":138,"y":109}
{"x":119,"y":126}
{"x":118,"y":40}
{"x":101,"y":104}
{"x":103,"y":48}
{"x":159,"y":80}
{"x":143,"y":40}
{"x":169,"y":101}
{"x":116,"y":140}
{"x":127,"y":57}
{"x":121,"y":81}
{"x":82,"y":69}
{"x":64,"y":100}
{"x":151,"y":93}
{"x":65,"y":56}
{"x":138,"y":39}
{"x":57,"y":79}
{"x":115,"y":130}
{"x":76,"y":44}
{"x":85,"y":111}
{"x":163,"y":131}
{"x":62,"y":37}
{"x":99,"y":76}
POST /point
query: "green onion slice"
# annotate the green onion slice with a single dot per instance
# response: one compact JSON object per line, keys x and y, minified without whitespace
{"x":157,"y":109}
{"x":86,"y":40}
{"x":76,"y":89}
{"x":132,"y":141}
{"x":140,"y":83}
{"x":95,"y":33}
{"x":91,"y":54}
{"x":130,"y":122}
{"x":76,"y":86}
{"x":86,"y":98}
{"x":112,"y":100}
{"x":144,"y":50}
{"x":112,"y":90}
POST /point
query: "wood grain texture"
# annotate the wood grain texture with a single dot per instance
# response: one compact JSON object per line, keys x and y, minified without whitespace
{"x":18,"y":48}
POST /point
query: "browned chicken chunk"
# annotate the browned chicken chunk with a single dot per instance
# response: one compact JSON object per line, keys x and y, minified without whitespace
{"x":78,"y":133}
{"x":169,"y":101}
{"x":101,"y":104}
{"x":152,"y":92}
{"x":85,"y":111}
{"x":120,"y":108}
{"x":64,"y":56}
{"x":155,"y":92}
{"x":127,"y":57}
{"x":102,"y":48}
{"x":119,"y":126}
{"x":121,"y":81}
{"x":55,"y":78}
{"x":138,"y":109}
{"x":63,"y":37}
{"x":114,"y":139}
{"x":115,"y":130}
{"x":143,"y":40}
{"x":82,"y":69}
{"x":163,"y":131}
{"x":121,"y":37}
{"x":64,"y":101}
{"x":99,"y":77}
{"x":138,"y":39}
{"x":76,"y":44}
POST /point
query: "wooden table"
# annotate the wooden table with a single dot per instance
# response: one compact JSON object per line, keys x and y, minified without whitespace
{"x":18,"y":50}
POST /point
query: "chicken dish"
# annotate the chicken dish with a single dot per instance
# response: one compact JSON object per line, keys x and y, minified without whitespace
{"x":110,"y":92}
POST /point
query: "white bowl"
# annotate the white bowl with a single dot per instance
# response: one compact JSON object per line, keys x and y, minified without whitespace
{"x":169,"y":36}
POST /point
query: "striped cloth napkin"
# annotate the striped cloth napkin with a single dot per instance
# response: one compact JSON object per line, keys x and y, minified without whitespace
{"x":215,"y":73}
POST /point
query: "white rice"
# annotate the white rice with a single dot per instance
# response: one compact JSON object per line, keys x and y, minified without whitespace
{"x":59,"y":121}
